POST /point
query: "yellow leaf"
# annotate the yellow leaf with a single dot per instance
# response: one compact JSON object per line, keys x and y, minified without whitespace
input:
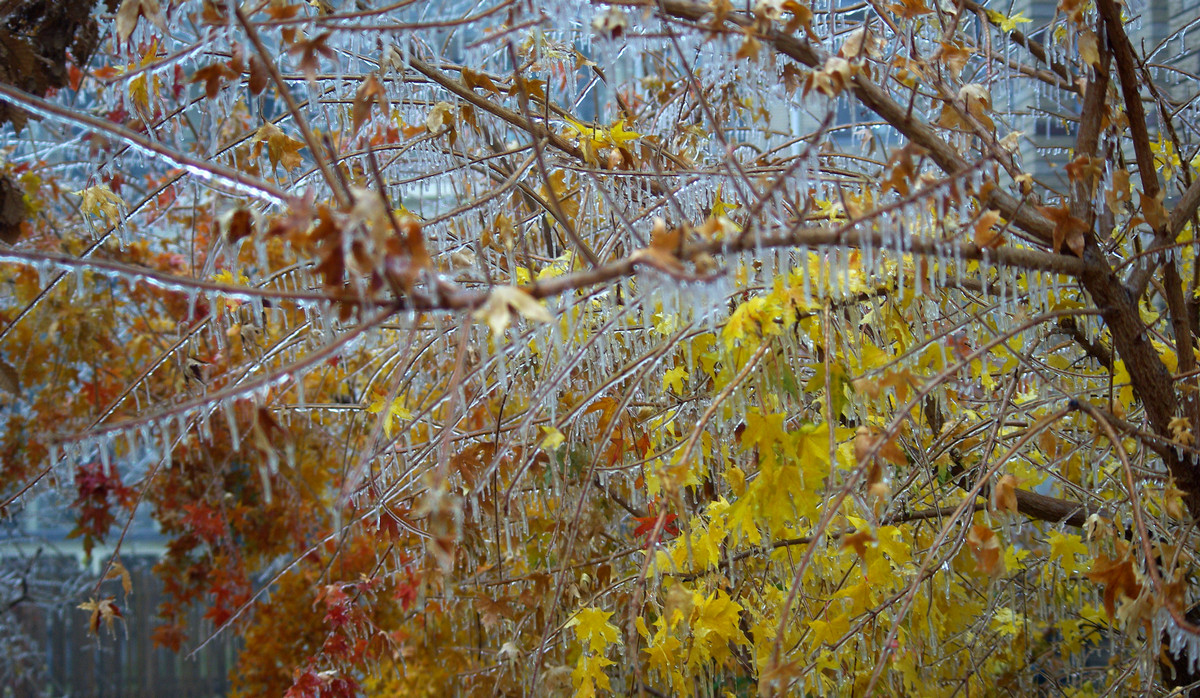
{"x":503,"y":301}
{"x":592,"y":627}
{"x":1066,"y":548}
{"x":1007,"y":24}
{"x":553,"y":439}
{"x":395,"y":409}
{"x":100,"y":201}
{"x":675,"y":378}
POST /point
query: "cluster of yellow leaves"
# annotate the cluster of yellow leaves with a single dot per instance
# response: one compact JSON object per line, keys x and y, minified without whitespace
{"x":594,"y":138}
{"x":597,"y":634}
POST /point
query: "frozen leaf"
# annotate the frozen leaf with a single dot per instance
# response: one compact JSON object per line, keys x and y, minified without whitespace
{"x":592,"y":627}
{"x":503,"y":301}
{"x":105,"y":610}
{"x":475,"y":79}
{"x":282,"y":149}
{"x":1068,"y":229}
{"x":610,"y":23}
{"x":100,"y":201}
{"x":1181,"y":430}
{"x":118,"y":571}
{"x":213,"y":76}
{"x":256,"y":82}
{"x":1089,"y":49}
{"x":985,"y":547}
{"x":553,"y":438}
{"x":131,"y":10}
{"x":1004,"y":496}
{"x":985,"y":233}
{"x":440,"y":117}
{"x":858,"y":541}
{"x":1007,"y":24}
{"x":10,"y":380}
{"x":369,"y":93}
{"x":1119,"y":580}
{"x":1153,"y":211}
{"x":309,"y":50}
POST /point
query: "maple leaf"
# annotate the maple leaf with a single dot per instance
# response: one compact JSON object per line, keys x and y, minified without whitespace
{"x":985,"y":546}
{"x":647,"y":524}
{"x":1007,"y":24}
{"x":105,"y":610}
{"x":1119,"y":580}
{"x":985,"y":236}
{"x":100,"y":201}
{"x":675,"y":379}
{"x":553,"y":439}
{"x":910,"y":9}
{"x":592,"y":627}
{"x":118,"y":571}
{"x":1067,"y":229}
{"x":503,"y":301}
{"x":475,"y":79}
{"x":369,"y":93}
{"x":131,"y":11}
{"x":1004,"y":496}
{"x":492,"y":610}
{"x":309,"y":50}
{"x":258,"y":76}
{"x":282,"y":149}
{"x":858,"y":540}
{"x":213,"y":76}
{"x":1065,"y":549}
{"x":392,"y":411}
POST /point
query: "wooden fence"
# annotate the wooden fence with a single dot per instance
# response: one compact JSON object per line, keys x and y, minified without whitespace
{"x":125,"y":662}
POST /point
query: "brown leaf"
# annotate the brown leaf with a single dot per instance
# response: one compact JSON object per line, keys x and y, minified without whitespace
{"x":309,"y":50}
{"x":259,"y":75}
{"x":10,"y":380}
{"x":370,"y":92}
{"x":118,"y":571}
{"x":103,"y":610}
{"x":985,"y":235}
{"x":131,"y":10}
{"x":1004,"y":496}
{"x":239,"y":224}
{"x":858,"y":540}
{"x":473,"y":79}
{"x":1067,"y":229}
{"x":1153,"y":211}
{"x":213,"y":76}
{"x":1118,"y":578}
{"x":985,"y":547}
{"x":13,"y":210}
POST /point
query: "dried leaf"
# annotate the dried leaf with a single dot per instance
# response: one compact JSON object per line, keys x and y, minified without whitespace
{"x":858,"y":540}
{"x":1119,"y":580}
{"x":985,"y":547}
{"x":1004,"y":495}
{"x":259,"y":75}
{"x":503,"y":301}
{"x":985,"y":234}
{"x":370,"y":92}
{"x":103,"y":610}
{"x":282,"y":149}
{"x":1067,"y":229}
{"x":131,"y":10}
{"x":118,"y":571}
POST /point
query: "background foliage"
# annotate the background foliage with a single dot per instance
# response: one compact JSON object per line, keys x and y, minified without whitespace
{"x":682,"y":349}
